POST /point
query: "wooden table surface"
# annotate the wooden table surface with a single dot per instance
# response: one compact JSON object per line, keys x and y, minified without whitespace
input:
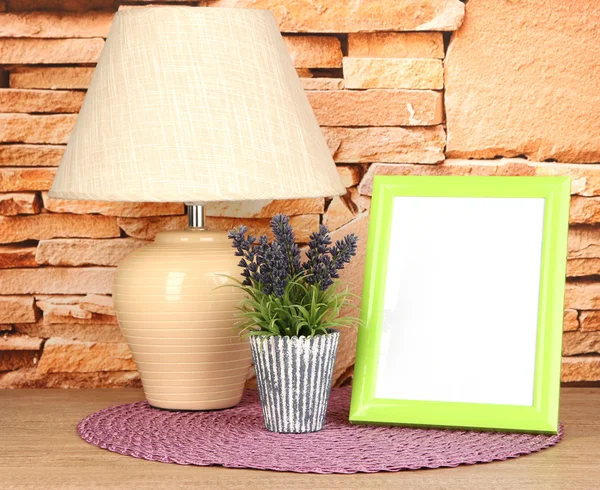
{"x":40,"y":448}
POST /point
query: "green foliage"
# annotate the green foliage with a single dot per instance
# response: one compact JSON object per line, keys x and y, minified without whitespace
{"x":284,"y":296}
{"x":304,"y":309}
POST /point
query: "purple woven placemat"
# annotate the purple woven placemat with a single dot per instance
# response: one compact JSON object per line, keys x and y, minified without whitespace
{"x":236,"y":438}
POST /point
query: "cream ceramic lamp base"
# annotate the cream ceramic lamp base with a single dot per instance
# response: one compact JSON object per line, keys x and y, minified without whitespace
{"x":180,"y":328}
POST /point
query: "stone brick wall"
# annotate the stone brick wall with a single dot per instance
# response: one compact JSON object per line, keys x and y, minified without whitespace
{"x":515,"y":91}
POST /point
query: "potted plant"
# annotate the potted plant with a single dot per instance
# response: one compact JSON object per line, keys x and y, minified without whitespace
{"x":290,"y":313}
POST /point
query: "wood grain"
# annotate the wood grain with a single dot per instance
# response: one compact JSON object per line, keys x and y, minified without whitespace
{"x":40,"y":448}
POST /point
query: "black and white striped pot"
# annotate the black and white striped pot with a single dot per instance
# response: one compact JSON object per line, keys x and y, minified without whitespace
{"x":294,"y":380}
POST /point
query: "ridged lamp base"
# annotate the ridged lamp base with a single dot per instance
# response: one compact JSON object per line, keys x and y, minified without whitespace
{"x":179,"y":320}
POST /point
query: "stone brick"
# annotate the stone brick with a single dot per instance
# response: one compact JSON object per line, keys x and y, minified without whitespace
{"x":515,"y":86}
{"x":27,"y":128}
{"x":46,"y":225}
{"x":251,"y":379}
{"x":366,"y":185}
{"x":322,"y":83}
{"x":59,"y":299}
{"x":582,"y":295}
{"x":97,"y":332}
{"x":345,"y":378}
{"x":18,"y":203}
{"x":359,"y":15}
{"x":585,"y":210}
{"x":17,"y":309}
{"x":20,"y":100}
{"x":80,"y":251}
{"x":314,"y":51}
{"x":352,"y":276}
{"x":106,"y":208}
{"x":30,"y":155}
{"x":16,"y":359}
{"x":26,"y":178}
{"x":575,"y":343}
{"x":61,"y":5}
{"x":76,"y":77}
{"x":57,"y":280}
{"x":377,"y":107}
{"x":59,"y":314}
{"x":148,"y":4}
{"x":53,"y":311}
{"x":31,"y":378}
{"x":584,"y":242}
{"x":583,"y":267}
{"x":394,"y":145}
{"x":590,"y":321}
{"x":571,"y":320}
{"x":393,"y":73}
{"x":265,"y":208}
{"x":96,"y":303}
{"x":15,"y":51}
{"x":15,"y":256}
{"x":61,"y":355}
{"x":350,"y":174}
{"x":585,"y":368}
{"x":396,"y":45}
{"x":20,"y":342}
{"x":55,"y":25}
{"x":304,"y":72}
{"x":361,"y":203}
{"x":68,"y":309}
{"x":148,"y":228}
{"x":584,"y":178}
{"x":338,"y":214}
{"x":17,"y":351}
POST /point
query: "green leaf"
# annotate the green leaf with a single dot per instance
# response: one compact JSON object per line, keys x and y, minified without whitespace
{"x":302,"y":310}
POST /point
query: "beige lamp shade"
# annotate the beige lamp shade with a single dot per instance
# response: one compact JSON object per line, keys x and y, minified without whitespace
{"x":195,"y":105}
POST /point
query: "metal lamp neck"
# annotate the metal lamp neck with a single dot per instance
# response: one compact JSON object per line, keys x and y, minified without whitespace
{"x":196,"y":216}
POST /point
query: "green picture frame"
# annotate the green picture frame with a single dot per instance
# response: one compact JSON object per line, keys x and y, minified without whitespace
{"x":542,"y":415}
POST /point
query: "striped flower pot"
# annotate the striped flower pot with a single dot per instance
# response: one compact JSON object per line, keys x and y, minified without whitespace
{"x":294,"y":380}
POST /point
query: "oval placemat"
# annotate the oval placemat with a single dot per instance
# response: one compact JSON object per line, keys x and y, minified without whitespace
{"x":236,"y":438}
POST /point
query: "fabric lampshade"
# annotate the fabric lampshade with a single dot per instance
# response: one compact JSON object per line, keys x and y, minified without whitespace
{"x":192,"y":104}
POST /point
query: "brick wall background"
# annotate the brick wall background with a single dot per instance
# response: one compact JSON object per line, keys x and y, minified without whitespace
{"x":515,"y":91}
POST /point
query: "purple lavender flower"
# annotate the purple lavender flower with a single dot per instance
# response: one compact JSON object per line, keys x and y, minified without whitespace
{"x":270,"y":267}
{"x":316,"y":267}
{"x":324,"y":261}
{"x":245,"y":248}
{"x":273,"y":271}
{"x":263,"y":265}
{"x":284,"y":236}
{"x":343,"y":250}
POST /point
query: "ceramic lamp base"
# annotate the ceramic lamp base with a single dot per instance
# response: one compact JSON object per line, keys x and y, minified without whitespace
{"x":179,"y":322}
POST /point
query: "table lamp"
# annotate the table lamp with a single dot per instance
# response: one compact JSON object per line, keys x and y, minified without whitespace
{"x":192,"y":105}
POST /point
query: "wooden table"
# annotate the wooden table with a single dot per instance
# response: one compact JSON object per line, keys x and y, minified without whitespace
{"x":40,"y":448}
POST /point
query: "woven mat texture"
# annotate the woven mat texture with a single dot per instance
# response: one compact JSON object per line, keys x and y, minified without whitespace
{"x":236,"y":438}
